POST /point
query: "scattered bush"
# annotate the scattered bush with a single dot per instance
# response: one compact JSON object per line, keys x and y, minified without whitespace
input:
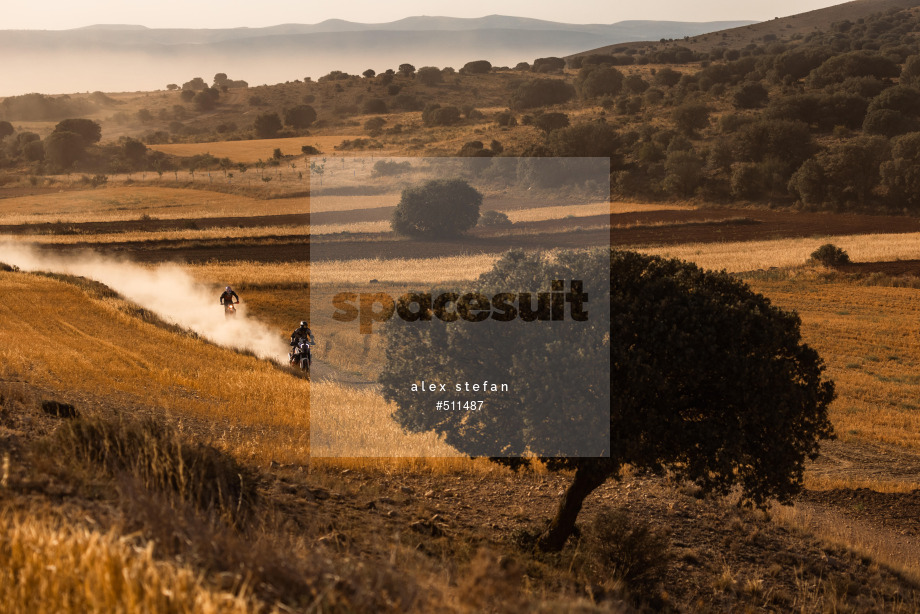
{"x":436,"y":115}
{"x":853,"y":64}
{"x":547,"y":65}
{"x":830,"y":256}
{"x":300,"y":117}
{"x":494,"y":219}
{"x":690,"y":117}
{"x":890,"y":123}
{"x":374,"y":125}
{"x":374,"y":106}
{"x":429,"y":75}
{"x":667,"y":77}
{"x":476,"y":67}
{"x":750,"y":96}
{"x":267,"y":125}
{"x":407,"y":102}
{"x":547,"y":122}
{"x":88,"y":130}
{"x":386,"y":168}
{"x":505,"y":119}
{"x":627,"y":548}
{"x":594,"y":81}
{"x":541,"y":92}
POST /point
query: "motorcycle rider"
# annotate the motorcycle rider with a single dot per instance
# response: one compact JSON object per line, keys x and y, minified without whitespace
{"x":227,"y":297}
{"x":303,"y":333}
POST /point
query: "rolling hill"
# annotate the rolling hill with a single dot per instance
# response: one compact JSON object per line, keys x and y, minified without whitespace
{"x":780,"y":28}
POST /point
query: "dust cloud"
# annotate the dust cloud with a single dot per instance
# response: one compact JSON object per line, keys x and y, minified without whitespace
{"x":167,"y":291}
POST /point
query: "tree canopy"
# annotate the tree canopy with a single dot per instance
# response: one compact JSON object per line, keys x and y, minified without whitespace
{"x":437,"y":208}
{"x":86,"y":128}
{"x":707,"y":379}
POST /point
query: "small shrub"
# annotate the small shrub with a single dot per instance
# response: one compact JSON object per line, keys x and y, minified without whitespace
{"x":541,"y":92}
{"x":383,"y":168}
{"x":505,"y":119}
{"x":374,"y":106}
{"x":830,"y":256}
{"x":628,"y":549}
{"x":374,"y":124}
{"x":494,"y":219}
{"x":436,"y":115}
{"x":351,"y":144}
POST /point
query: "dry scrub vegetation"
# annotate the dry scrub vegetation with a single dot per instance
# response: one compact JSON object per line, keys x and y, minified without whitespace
{"x":253,"y":150}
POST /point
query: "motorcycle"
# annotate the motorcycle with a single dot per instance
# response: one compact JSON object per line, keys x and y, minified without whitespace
{"x":229,"y":310}
{"x":301,"y":356}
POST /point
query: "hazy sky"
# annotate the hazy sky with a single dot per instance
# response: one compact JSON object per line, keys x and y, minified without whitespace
{"x":64,"y":14}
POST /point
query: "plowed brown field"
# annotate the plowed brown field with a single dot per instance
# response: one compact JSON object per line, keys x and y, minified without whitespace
{"x":627,"y":229}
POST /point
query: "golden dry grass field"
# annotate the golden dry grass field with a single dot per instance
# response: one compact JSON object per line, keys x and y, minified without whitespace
{"x":868,"y":336}
{"x":253,"y":408}
{"x":752,"y":255}
{"x":134,"y":202}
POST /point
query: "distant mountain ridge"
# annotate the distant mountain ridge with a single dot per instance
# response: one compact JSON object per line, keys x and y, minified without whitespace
{"x":419,"y":23}
{"x":112,"y":57}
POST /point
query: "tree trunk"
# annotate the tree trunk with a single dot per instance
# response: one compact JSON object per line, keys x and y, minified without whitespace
{"x":562,"y":525}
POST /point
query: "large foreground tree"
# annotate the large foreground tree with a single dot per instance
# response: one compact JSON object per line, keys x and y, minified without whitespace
{"x":708,"y":380}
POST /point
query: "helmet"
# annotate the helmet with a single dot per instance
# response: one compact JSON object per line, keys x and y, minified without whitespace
{"x":303,"y":323}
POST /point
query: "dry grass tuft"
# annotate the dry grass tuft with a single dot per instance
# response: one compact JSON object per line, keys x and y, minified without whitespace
{"x":210,"y":479}
{"x":47,"y":567}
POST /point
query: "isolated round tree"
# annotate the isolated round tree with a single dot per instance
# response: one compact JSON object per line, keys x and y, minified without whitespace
{"x":437,"y":208}
{"x":708,"y":379}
